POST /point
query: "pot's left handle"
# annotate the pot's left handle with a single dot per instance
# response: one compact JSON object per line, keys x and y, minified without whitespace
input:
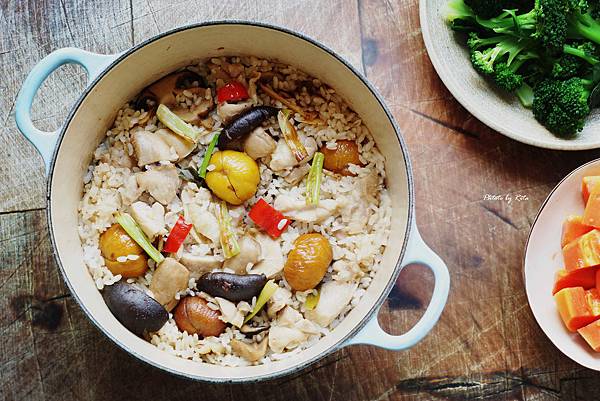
{"x":417,"y":252}
{"x":44,"y":141}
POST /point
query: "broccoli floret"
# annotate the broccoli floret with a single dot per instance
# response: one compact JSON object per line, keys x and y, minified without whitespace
{"x":576,"y":60}
{"x":506,"y":74}
{"x":562,"y":106}
{"x":493,"y":8}
{"x":504,"y":49}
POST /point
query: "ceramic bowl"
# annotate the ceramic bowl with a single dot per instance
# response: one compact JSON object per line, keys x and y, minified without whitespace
{"x":500,"y":111}
{"x":115,"y":79}
{"x":543,"y":257}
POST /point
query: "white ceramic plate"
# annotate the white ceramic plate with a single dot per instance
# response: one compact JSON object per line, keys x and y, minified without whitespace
{"x":543,"y":257}
{"x":494,"y":108}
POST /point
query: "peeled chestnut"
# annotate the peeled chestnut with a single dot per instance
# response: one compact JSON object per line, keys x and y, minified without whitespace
{"x":308,"y":261}
{"x":122,"y":255}
{"x":338,"y":159}
{"x":193,"y":315}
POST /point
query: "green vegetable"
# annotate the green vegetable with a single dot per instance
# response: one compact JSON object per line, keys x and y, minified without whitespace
{"x":209,"y":151}
{"x":176,"y":124}
{"x":525,"y":95}
{"x":492,"y":8}
{"x":562,"y":106}
{"x":266,"y":294}
{"x":133,"y":229}
{"x":543,"y":51}
{"x":315,"y":176}
{"x":227,"y":236}
{"x":291,"y":135}
{"x":312,"y":300}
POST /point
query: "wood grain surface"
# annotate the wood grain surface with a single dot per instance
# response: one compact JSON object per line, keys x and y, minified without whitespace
{"x":486,"y":346}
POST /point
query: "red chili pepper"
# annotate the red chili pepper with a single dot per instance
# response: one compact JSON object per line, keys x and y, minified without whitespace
{"x":177,"y":235}
{"x":269,"y":219}
{"x":232,"y":91}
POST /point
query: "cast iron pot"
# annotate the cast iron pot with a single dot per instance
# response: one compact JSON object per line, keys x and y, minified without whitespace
{"x":114,"y":79}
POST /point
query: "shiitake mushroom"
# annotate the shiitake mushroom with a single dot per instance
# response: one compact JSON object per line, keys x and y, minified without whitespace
{"x":136,"y":310}
{"x":245,"y":123}
{"x":233,"y":287}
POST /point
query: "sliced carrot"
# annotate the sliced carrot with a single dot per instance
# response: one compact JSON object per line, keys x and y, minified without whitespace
{"x":591,"y":334}
{"x":582,"y":252}
{"x":572,"y":229}
{"x":587,"y":186}
{"x":585,"y":278}
{"x":574,"y":307}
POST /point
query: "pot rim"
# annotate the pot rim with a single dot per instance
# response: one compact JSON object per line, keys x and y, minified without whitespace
{"x":372,"y":314}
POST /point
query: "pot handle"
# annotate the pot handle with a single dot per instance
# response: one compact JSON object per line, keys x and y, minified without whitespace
{"x":417,"y":252}
{"x":44,"y":141}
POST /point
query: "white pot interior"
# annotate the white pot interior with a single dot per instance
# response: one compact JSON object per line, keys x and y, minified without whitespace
{"x":95,"y":114}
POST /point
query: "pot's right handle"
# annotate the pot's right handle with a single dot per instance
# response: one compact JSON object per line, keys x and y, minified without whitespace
{"x":416,"y":252}
{"x":44,"y":141}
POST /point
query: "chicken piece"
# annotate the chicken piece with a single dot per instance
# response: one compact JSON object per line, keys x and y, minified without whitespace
{"x":297,"y":209}
{"x":198,"y":265}
{"x":346,"y":270}
{"x":333,"y":298}
{"x":205,"y":223}
{"x":282,"y":158}
{"x":249,"y":255}
{"x":229,"y":312}
{"x":150,"y":219}
{"x":251,"y":352}
{"x":130,"y":190}
{"x":119,"y":156}
{"x":182,"y":146}
{"x":227,"y":111}
{"x":271,"y":257}
{"x":281,"y":338}
{"x":278,"y":301}
{"x":259,"y":144}
{"x":354,"y":214}
{"x":169,"y":278}
{"x":161,"y":182}
{"x":297,"y":174}
{"x":289,"y":317}
{"x":151,"y":148}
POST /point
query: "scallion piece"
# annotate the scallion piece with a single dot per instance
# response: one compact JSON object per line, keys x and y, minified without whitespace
{"x":227,"y":236}
{"x":290,"y":135}
{"x":208,"y":154}
{"x":266,"y":294}
{"x":315,"y":176}
{"x":135,"y":232}
{"x":176,"y":124}
{"x":312,"y":300}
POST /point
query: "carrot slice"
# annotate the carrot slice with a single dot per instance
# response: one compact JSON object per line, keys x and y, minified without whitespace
{"x":577,"y":307}
{"x":585,"y":278}
{"x":587,"y":186}
{"x":572,"y":229}
{"x":582,"y":252}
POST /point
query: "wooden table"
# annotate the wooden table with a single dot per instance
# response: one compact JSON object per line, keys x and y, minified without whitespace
{"x":486,"y":346}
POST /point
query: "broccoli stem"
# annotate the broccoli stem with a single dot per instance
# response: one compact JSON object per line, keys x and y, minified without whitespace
{"x":586,"y":26}
{"x":525,"y":95}
{"x":573,"y":51}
